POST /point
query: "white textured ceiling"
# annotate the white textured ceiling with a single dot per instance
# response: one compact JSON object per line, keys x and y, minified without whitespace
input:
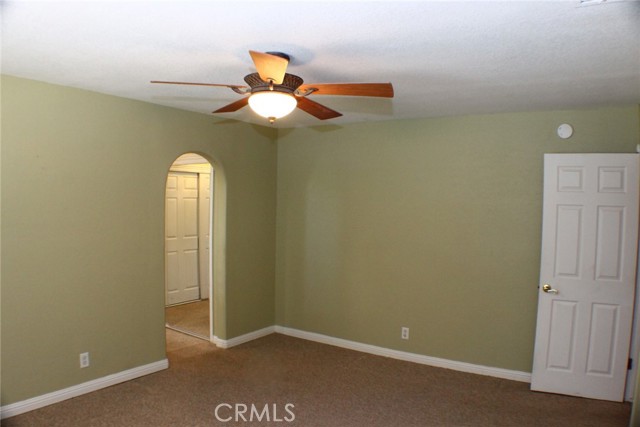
{"x":443,"y":58}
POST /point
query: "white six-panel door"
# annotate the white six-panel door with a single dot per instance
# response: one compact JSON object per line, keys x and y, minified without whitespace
{"x":589,"y":246}
{"x":181,"y":238}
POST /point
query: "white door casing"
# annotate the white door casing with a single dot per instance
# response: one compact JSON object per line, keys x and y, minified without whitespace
{"x":181,"y":238}
{"x":589,"y":249}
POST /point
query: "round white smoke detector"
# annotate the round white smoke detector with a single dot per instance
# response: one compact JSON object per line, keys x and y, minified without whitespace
{"x":565,"y":131}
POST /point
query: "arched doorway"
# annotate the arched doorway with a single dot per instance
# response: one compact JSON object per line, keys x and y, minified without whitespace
{"x":189,"y":213}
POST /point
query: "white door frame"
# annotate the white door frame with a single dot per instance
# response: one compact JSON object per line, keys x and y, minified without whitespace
{"x":634,"y":351}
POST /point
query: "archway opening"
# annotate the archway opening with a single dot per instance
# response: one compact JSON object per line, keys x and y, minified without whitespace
{"x":194,"y":246}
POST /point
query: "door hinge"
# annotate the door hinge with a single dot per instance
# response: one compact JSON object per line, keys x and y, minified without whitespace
{"x":630,"y":364}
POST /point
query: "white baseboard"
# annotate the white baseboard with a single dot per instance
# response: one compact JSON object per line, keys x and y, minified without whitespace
{"x":80,"y":389}
{"x":244,"y":338}
{"x":409,"y":357}
{"x":97,"y":384}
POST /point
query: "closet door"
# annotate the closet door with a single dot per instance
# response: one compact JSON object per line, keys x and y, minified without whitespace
{"x":181,"y":238}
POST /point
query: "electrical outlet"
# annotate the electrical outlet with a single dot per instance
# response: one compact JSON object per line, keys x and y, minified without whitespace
{"x":404,"y":334}
{"x":84,"y":360}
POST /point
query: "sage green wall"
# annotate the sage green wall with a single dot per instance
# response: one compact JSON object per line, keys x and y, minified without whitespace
{"x":430,"y":224}
{"x":83,"y":178}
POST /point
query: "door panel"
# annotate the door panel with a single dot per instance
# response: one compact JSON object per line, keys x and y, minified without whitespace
{"x":568,"y":232}
{"x":609,"y":242}
{"x":562,"y":335}
{"x":589,"y":246}
{"x":602,"y":336}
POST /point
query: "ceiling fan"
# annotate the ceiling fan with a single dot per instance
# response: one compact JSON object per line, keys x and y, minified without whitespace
{"x":273,"y":93}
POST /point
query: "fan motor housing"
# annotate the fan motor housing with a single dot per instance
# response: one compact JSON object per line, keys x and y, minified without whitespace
{"x":289,"y":84}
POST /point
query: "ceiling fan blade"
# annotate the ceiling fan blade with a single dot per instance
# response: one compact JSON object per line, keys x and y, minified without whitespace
{"x":383,"y":90}
{"x":269,"y":67}
{"x":199,"y":84}
{"x":316,"y":110}
{"x":234,"y":106}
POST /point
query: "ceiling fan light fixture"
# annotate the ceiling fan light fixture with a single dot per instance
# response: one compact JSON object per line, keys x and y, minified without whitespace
{"x":273,"y":93}
{"x":272,"y":104}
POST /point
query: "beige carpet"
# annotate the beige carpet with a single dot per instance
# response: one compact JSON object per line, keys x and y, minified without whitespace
{"x":328,"y":386}
{"x":191,"y":318}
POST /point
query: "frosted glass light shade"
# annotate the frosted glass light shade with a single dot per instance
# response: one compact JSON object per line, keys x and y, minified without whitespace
{"x":272,"y":104}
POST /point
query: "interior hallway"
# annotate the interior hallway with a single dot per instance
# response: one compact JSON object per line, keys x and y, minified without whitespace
{"x":191,"y":318}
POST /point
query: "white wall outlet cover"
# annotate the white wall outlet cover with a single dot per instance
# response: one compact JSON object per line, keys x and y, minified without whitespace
{"x":565,"y":131}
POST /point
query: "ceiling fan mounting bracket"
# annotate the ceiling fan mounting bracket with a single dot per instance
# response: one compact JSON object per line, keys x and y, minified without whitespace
{"x":241,"y":91}
{"x":305,"y":92}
